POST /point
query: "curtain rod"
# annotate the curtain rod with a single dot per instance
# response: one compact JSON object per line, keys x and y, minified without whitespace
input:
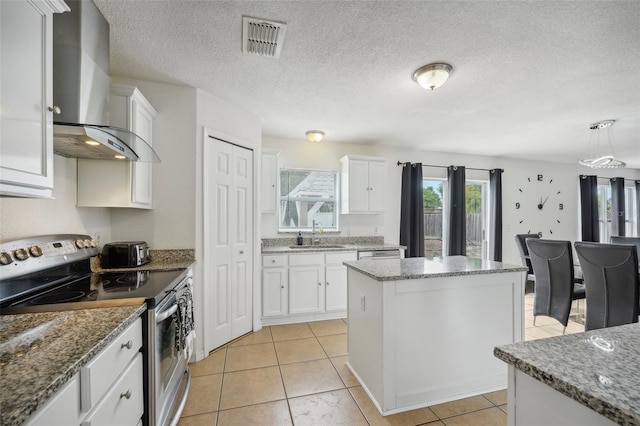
{"x":446,"y":167}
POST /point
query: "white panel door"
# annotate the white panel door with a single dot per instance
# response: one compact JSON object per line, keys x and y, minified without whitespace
{"x":242,"y":238}
{"x":232,"y":289}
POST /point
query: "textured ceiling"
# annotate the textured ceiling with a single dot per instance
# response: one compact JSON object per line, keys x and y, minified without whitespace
{"x":529,"y":76}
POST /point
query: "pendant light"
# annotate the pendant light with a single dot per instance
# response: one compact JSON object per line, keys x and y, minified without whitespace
{"x":601,"y":158}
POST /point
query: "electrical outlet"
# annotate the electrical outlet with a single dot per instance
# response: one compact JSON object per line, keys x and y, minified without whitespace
{"x":362,"y":303}
{"x":375,"y":230}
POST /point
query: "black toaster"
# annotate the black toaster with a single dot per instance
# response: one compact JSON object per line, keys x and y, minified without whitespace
{"x":125,"y":254}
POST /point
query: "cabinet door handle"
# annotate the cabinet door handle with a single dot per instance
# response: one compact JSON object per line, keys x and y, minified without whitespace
{"x":281,"y":286}
{"x":126,"y":394}
{"x":241,"y":252}
{"x":127,"y":345}
{"x":273,"y":261}
{"x":54,"y":109}
{"x":327,"y":282}
{"x":319,"y":283}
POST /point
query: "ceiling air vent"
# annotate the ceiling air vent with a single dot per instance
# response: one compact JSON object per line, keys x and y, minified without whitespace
{"x":262,"y":37}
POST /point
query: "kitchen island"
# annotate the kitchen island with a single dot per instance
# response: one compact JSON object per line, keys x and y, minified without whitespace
{"x":588,"y":378}
{"x":422,"y":331}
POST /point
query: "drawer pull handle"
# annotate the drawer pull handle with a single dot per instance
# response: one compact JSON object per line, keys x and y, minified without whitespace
{"x":127,"y":345}
{"x":126,"y":394}
{"x":241,"y":252}
{"x":273,"y":261}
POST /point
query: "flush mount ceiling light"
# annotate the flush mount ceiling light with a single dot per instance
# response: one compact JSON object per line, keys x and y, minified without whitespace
{"x":314,"y":135}
{"x":601,"y":158}
{"x":432,"y":76}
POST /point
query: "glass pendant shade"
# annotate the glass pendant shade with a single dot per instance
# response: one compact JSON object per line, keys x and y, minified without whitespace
{"x":432,"y":76}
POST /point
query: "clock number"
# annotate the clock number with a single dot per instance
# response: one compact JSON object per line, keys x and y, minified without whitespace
{"x":560,"y":206}
{"x":540,"y":178}
{"x":517,"y":205}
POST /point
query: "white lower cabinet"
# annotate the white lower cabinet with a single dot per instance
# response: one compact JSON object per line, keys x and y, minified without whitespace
{"x":274,"y":291}
{"x":304,"y":286}
{"x":107,"y":391}
{"x":123,"y":404}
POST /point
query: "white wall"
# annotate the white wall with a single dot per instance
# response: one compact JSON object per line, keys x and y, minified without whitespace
{"x":24,"y":217}
{"x":326,"y":155}
{"x":171,"y":222}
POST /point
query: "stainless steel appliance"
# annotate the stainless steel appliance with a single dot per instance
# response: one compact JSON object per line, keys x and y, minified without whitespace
{"x":53,"y":273}
{"x":125,"y":254}
{"x":81,"y":90}
{"x":379,"y":254}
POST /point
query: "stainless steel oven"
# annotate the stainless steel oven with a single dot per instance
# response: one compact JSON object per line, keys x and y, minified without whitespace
{"x":53,"y":273}
{"x":168,"y":351}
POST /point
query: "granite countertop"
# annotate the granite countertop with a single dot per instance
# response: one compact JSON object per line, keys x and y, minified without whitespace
{"x":283,"y":245}
{"x":41,"y":352}
{"x":597,"y":368}
{"x":421,"y":267}
{"x":161,"y":260}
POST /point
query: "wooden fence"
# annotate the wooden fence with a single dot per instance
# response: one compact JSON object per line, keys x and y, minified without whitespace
{"x":433,"y":226}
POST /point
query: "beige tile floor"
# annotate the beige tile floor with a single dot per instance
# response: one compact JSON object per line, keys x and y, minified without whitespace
{"x":296,"y":375}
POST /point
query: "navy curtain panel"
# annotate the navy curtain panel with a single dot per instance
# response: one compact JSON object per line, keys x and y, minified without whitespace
{"x":617,"y":207}
{"x":589,"y":208}
{"x":412,"y":210}
{"x":457,"y":244}
{"x":638,"y":207}
{"x":495,"y":214}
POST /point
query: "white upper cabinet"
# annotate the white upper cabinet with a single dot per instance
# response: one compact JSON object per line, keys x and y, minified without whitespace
{"x":362,"y":184}
{"x":269,"y":181}
{"x":121,"y":183}
{"x":26,"y":97}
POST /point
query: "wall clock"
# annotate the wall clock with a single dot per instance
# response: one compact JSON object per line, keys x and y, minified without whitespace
{"x":539,"y":205}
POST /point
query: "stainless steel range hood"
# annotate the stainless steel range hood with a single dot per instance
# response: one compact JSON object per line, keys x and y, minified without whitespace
{"x":81,"y":90}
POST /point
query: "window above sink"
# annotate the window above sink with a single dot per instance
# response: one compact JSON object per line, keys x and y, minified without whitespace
{"x":306,"y":196}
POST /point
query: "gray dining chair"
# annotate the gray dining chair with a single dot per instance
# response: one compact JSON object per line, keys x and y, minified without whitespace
{"x":626,"y":240}
{"x":524,"y":257}
{"x":610,"y":273}
{"x":556,"y":289}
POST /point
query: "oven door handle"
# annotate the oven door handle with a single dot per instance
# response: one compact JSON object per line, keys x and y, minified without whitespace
{"x":166,"y":314}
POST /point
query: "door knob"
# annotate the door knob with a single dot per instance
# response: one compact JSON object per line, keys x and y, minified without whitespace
{"x":54,"y":109}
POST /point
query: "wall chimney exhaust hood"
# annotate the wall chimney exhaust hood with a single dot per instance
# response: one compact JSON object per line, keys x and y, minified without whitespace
{"x":81,"y":90}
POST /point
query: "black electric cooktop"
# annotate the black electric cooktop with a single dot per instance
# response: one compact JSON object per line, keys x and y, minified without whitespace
{"x":64,"y":291}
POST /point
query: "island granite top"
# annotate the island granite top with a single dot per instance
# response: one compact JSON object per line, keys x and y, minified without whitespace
{"x":598,"y":368}
{"x":41,"y":352}
{"x":421,"y":267}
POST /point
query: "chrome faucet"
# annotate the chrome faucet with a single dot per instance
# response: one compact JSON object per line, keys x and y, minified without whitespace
{"x":313,"y":233}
